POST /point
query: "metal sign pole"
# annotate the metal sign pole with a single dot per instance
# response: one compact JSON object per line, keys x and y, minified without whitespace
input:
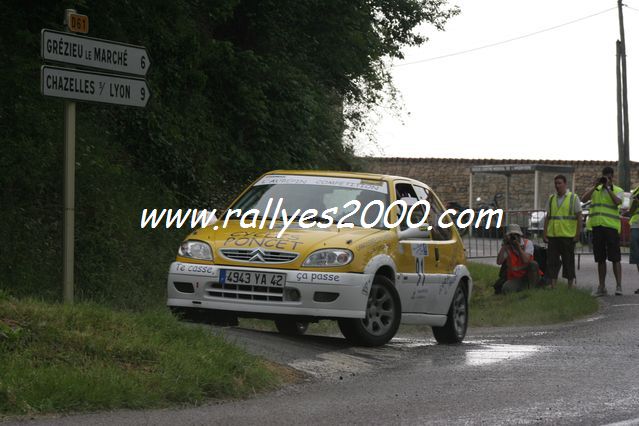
{"x":68,"y":260}
{"x":69,"y":200}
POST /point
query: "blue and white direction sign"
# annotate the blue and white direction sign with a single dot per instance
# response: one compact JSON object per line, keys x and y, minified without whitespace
{"x":93,"y":86}
{"x":94,"y":53}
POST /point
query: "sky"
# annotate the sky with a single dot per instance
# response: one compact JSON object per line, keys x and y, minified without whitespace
{"x":548,"y":96}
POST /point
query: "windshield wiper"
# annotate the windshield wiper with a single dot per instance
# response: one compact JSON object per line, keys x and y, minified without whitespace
{"x":318,"y":218}
{"x":281,"y":216}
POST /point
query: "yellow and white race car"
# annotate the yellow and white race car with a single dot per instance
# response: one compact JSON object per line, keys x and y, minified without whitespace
{"x":370,"y":251}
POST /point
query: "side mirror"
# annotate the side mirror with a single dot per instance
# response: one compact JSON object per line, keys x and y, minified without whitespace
{"x":209,"y":217}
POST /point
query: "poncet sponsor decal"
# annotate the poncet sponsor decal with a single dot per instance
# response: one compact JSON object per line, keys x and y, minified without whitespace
{"x":262,"y":239}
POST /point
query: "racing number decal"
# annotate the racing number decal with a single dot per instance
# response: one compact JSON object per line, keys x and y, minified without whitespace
{"x":419,"y":268}
{"x":419,"y":252}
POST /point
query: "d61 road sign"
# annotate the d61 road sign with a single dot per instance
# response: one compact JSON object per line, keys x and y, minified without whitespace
{"x":78,"y":23}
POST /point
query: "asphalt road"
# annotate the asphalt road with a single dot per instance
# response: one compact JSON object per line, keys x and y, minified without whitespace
{"x":585,"y":372}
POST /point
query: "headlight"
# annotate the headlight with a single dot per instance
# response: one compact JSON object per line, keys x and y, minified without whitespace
{"x":195,"y":250}
{"x":329,"y":257}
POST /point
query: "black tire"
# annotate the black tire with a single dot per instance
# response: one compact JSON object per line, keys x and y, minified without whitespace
{"x":291,"y":327}
{"x":454,"y":330}
{"x":383,"y":315}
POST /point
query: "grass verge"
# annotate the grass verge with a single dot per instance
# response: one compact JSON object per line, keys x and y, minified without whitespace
{"x":527,"y":308}
{"x":530,"y":307}
{"x":56,"y":358}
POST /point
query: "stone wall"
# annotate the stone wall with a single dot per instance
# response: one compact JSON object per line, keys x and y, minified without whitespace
{"x":449,"y":177}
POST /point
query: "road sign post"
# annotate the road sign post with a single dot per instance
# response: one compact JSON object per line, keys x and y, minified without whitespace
{"x":68,"y":240}
{"x":82,"y":85}
{"x":69,"y":201}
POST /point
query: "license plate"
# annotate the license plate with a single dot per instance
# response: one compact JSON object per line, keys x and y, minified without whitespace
{"x":265,"y":279}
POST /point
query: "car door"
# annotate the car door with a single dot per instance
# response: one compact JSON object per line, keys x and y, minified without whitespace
{"x":413,"y":259}
{"x":443,"y":235}
{"x":436,"y":286}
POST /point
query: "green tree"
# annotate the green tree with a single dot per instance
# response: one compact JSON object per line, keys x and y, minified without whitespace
{"x":238,"y":87}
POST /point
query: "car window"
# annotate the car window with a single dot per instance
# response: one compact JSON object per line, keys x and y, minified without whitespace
{"x":318,"y":193}
{"x":405,"y":191}
{"x":436,"y":211}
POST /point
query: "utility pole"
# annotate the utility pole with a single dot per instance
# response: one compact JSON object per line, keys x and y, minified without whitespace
{"x":621,"y":165}
{"x":624,"y":139}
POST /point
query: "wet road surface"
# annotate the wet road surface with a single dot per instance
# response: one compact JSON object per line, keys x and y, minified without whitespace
{"x":585,"y":372}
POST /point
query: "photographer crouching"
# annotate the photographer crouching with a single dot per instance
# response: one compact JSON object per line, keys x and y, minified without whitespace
{"x":516,"y":253}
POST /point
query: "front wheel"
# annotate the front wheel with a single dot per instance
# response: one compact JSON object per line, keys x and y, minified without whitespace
{"x":382,"y":317}
{"x":454,"y":330}
{"x":290,"y":327}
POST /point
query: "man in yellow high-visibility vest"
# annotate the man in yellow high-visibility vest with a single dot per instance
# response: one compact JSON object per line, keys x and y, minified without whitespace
{"x":562,"y":228}
{"x":606,"y":226}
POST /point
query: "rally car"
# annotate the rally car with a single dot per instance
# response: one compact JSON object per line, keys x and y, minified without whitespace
{"x":370,"y":267}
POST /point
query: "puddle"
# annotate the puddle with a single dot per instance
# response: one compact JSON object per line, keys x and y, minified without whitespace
{"x":493,"y":353}
{"x":332,"y":365}
{"x":402,"y":342}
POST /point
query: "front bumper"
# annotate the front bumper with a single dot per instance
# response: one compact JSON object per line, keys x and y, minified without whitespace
{"x":201,"y":288}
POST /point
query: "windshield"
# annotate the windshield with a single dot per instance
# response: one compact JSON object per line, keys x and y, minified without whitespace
{"x":318,"y":193}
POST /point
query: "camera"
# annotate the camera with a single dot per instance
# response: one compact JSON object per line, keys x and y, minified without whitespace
{"x":603,"y":180}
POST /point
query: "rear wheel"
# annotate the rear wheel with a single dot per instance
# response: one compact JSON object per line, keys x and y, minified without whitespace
{"x":454,"y":330}
{"x":382,"y":317}
{"x":291,"y":327}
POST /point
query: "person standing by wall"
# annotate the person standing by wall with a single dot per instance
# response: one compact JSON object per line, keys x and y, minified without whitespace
{"x":606,"y":226}
{"x":562,"y":228}
{"x":634,"y":230}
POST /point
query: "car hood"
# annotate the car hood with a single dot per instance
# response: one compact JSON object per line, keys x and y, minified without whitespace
{"x":234,"y":239}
